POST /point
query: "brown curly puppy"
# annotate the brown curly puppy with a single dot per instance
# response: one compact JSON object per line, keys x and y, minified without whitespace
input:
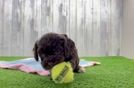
{"x":53,"y":48}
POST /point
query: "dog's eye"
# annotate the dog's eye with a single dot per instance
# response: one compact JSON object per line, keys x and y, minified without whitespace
{"x":61,"y":40}
{"x":49,"y":50}
{"x":42,"y":56}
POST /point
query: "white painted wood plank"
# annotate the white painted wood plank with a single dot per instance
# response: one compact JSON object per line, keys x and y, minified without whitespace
{"x":38,"y":17}
{"x":27,"y":28}
{"x":45,"y":13}
{"x":120,"y":26}
{"x":56,"y":16}
{"x":88,"y":28}
{"x":115,"y":26}
{"x":21,"y":11}
{"x":80,"y":26}
{"x":73,"y":20}
{"x":105,"y":6}
{"x":16,"y":36}
{"x":67,"y":9}
{"x":1,"y":27}
{"x":33,"y":31}
{"x":62,"y":20}
{"x":96,"y":27}
{"x":7,"y":26}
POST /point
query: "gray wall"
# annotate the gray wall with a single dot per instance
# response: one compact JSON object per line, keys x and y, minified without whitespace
{"x":127,"y":47}
{"x":94,"y":25}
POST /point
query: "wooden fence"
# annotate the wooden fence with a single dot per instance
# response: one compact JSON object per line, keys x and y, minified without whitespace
{"x":94,"y":25}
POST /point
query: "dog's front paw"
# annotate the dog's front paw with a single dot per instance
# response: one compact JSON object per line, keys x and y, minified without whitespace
{"x":81,"y":70}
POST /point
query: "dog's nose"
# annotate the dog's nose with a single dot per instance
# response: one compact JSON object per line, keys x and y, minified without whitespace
{"x":46,"y":64}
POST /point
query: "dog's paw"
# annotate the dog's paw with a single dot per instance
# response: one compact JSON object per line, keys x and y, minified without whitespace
{"x":81,"y":70}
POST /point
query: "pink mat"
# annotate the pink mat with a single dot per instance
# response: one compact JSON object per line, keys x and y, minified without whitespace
{"x":29,"y":65}
{"x":25,"y":68}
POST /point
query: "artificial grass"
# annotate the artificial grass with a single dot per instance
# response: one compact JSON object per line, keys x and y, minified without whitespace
{"x":114,"y":72}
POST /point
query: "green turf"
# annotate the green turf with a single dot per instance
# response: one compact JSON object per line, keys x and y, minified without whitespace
{"x":114,"y":72}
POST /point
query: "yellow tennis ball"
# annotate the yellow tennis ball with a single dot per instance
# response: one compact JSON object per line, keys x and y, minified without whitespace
{"x":62,"y":73}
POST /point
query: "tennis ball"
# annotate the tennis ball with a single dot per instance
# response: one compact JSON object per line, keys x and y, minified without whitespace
{"x":62,"y":73}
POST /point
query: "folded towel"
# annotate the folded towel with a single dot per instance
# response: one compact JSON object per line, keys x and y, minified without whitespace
{"x":29,"y":65}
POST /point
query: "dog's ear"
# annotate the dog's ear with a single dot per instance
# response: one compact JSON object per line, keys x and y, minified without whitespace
{"x":67,"y":50}
{"x":35,"y":51}
{"x":65,"y":35}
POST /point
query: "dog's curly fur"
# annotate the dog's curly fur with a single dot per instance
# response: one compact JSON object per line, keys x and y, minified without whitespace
{"x":53,"y":48}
